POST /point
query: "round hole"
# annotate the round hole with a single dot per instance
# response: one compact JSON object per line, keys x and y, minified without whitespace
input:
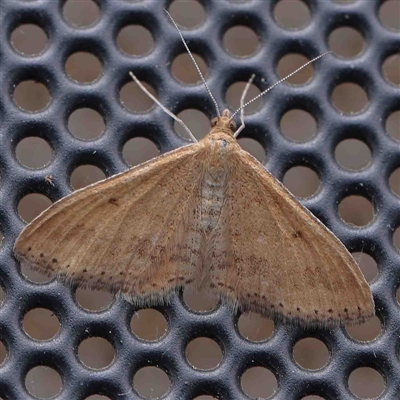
{"x":184,"y":71}
{"x":96,"y":353}
{"x":29,"y":39}
{"x":83,"y":67}
{"x":197,"y":122}
{"x":346,"y":42}
{"x":97,"y":397}
{"x":31,"y":96}
{"x":81,"y":14}
{"x":34,"y":276}
{"x":93,"y":300}
{"x":3,"y":352}
{"x":241,"y":41}
{"x":86,"y":124}
{"x":234,"y":93}
{"x":259,"y":382}
{"x":366,"y":383}
{"x":396,"y":238}
{"x":32,"y":205}
{"x":301,"y":181}
{"x":311,"y":353}
{"x":148,"y":324}
{"x":203,"y":353}
{"x":298,"y":125}
{"x":255,"y":328}
{"x":187,"y":13}
{"x":367,"y":265}
{"x":389,"y":12}
{"x":394,"y":181}
{"x":151,"y":382}
{"x":353,"y":154}
{"x":138,"y":150}
{"x":41,"y":324}
{"x":199,"y":301}
{"x":398,"y":295}
{"x":356,"y":211}
{"x":253,"y":147}
{"x":292,"y":14}
{"x":43,"y":382}
{"x":349,"y":98}
{"x":391,"y":69}
{"x":2,"y":295}
{"x":312,"y":398}
{"x":135,"y":40}
{"x":393,"y":125}
{"x":33,"y":152}
{"x":134,"y":99}
{"x":367,"y":331}
{"x":289,"y":63}
{"x":205,"y":398}
{"x":85,"y":175}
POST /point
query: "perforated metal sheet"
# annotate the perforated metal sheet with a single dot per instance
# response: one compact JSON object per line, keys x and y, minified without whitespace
{"x":168,"y":353}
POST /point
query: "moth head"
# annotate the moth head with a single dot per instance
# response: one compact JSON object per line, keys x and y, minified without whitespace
{"x":224,"y":122}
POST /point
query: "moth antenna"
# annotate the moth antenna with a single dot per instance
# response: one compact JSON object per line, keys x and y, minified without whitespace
{"x":277,"y":83}
{"x":244,"y":94}
{"x":165,"y":109}
{"x":195,"y":64}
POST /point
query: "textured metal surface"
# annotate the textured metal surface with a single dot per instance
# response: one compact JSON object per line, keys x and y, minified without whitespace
{"x":331,"y":382}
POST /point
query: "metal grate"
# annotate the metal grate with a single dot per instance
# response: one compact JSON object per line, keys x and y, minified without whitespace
{"x":374,"y":184}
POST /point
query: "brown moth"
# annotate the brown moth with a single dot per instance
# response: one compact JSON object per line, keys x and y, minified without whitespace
{"x":206,"y":215}
{"x":209,"y":216}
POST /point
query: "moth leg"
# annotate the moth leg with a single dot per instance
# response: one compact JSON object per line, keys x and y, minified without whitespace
{"x":244,"y":94}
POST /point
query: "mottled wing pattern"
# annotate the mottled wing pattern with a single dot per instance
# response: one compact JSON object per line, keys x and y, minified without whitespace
{"x":138,"y":232}
{"x":275,"y":258}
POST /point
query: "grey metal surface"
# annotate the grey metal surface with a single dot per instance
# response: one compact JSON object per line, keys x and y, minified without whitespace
{"x":168,"y":353}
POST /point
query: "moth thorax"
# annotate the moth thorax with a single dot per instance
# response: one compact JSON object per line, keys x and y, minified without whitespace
{"x":216,"y":173}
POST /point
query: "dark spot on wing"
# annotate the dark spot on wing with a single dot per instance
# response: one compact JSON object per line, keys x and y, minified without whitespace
{"x":113,"y":201}
{"x":297,"y":234}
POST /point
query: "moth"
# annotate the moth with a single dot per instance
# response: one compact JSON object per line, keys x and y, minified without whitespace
{"x":207,"y":215}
